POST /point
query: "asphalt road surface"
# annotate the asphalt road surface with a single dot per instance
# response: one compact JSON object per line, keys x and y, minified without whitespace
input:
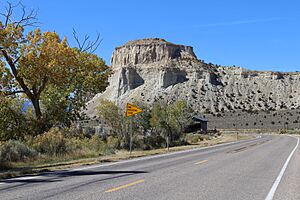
{"x":267,"y":167}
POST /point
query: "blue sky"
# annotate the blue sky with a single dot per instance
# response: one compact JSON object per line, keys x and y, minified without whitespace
{"x":256,"y":34}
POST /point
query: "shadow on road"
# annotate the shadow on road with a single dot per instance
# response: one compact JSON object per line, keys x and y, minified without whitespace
{"x":85,"y":173}
{"x":52,"y":176}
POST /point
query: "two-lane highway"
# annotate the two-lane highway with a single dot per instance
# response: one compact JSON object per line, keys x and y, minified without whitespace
{"x":245,"y":170}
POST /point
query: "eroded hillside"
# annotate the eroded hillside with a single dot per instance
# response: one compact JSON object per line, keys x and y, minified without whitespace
{"x":151,"y":69}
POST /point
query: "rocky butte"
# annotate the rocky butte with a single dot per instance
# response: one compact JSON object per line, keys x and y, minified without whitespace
{"x":148,"y":70}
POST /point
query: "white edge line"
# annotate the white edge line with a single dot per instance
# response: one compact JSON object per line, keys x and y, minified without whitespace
{"x":278,"y":179}
{"x":19,"y":179}
{"x":26,"y":178}
{"x":22,"y":178}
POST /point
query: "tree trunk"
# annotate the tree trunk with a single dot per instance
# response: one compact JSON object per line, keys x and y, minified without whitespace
{"x":170,"y":134}
{"x":40,"y":124}
{"x":168,"y":143}
{"x":37,"y":108}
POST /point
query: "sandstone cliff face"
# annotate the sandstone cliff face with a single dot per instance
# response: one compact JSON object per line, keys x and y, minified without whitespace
{"x":148,"y":51}
{"x":151,"y":69}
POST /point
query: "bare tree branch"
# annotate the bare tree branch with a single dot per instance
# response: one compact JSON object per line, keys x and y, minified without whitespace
{"x":8,"y":14}
{"x":8,"y":93}
{"x":16,"y":73}
{"x":87,"y":45}
{"x":16,"y":60}
{"x":27,"y":18}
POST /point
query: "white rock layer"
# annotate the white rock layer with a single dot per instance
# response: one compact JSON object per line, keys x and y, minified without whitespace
{"x":151,"y":69}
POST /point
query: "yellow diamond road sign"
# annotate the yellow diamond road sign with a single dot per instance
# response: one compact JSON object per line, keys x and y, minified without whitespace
{"x":132,"y":110}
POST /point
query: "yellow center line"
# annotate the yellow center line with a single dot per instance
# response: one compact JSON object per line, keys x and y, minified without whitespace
{"x":125,"y":186}
{"x":201,"y":162}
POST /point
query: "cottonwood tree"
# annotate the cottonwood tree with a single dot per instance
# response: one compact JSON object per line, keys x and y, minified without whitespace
{"x":162,"y":121}
{"x":38,"y":64}
{"x":116,"y":121}
{"x":180,"y":114}
{"x":12,"y":120}
{"x":141,"y":121}
{"x":170,"y":120}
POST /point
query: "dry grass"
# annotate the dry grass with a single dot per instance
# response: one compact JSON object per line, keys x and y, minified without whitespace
{"x":69,"y":162}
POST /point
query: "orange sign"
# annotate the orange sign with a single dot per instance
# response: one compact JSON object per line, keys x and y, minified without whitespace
{"x":132,"y":110}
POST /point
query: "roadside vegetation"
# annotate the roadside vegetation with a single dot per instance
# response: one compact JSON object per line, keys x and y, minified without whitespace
{"x":43,"y":162}
{"x":155,"y":128}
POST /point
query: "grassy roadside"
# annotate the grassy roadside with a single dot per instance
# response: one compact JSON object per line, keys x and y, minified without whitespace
{"x":56,"y":163}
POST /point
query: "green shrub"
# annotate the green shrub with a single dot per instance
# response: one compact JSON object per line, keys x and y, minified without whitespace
{"x":205,"y":137}
{"x":52,"y":142}
{"x":74,"y":132}
{"x":60,"y":142}
{"x":195,"y":138}
{"x":14,"y":151}
{"x":150,"y":142}
{"x":100,"y":147}
{"x":179,"y":142}
{"x":108,"y":151}
{"x":282,"y":131}
{"x":13,"y":123}
{"x":113,"y":142}
{"x":78,"y":146}
{"x":97,"y":144}
{"x":138,"y":144}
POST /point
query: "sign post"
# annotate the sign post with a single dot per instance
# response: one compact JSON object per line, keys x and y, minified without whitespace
{"x":131,"y":136}
{"x":131,"y":110}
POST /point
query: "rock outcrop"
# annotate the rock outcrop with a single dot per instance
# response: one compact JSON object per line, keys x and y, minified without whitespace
{"x":151,"y":69}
